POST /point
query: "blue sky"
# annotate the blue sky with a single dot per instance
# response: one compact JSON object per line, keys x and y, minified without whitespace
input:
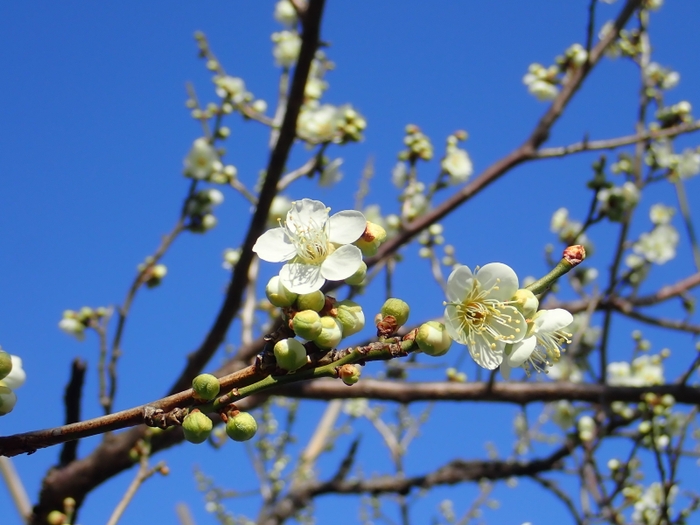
{"x":93,"y":136}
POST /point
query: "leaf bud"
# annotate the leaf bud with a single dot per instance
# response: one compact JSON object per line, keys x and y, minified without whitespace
{"x":307,"y":324}
{"x":311,"y":301}
{"x":241,"y":427}
{"x":290,"y":354}
{"x":350,"y":374}
{"x":432,"y":338}
{"x":206,"y":386}
{"x":331,"y":333}
{"x":277,"y":294}
{"x":197,"y":427}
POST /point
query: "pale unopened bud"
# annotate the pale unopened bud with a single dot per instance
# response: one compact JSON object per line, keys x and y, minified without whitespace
{"x":196,"y":427}
{"x":350,"y":374}
{"x":396,"y":308}
{"x":432,"y":338}
{"x":311,"y":301}
{"x":206,"y":386}
{"x":241,"y":427}
{"x":290,"y":354}
{"x":8,"y":399}
{"x":350,"y":316}
{"x":526,"y":302}
{"x":277,"y":294}
{"x":5,"y":364}
{"x":356,"y":278}
{"x":307,"y":324}
{"x":331,"y":333}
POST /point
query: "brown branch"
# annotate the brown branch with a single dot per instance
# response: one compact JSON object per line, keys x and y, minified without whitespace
{"x":72,"y":400}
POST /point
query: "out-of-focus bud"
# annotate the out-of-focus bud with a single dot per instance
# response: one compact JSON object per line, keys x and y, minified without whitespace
{"x":290,"y":354}
{"x":206,"y":386}
{"x":307,"y":324}
{"x":277,"y":294}
{"x":241,"y":427}
{"x":432,"y":338}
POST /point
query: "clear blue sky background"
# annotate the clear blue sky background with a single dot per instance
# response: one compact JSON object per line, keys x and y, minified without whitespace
{"x":94,"y":130}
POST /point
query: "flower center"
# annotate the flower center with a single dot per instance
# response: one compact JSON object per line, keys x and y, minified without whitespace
{"x":310,"y":240}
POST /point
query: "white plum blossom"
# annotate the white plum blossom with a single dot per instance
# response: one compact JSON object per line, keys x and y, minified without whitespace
{"x":233,"y":87}
{"x":287,"y":47}
{"x":202,"y":160}
{"x":314,"y":246}
{"x":661,"y":214}
{"x":285,"y":13}
{"x":457,"y":164}
{"x":542,"y":345}
{"x":659,"y":246}
{"x":318,"y":124}
{"x":688,"y":163}
{"x":645,"y":371}
{"x":73,"y":327}
{"x":540,"y":82}
{"x":647,"y":509}
{"x":479,"y":312}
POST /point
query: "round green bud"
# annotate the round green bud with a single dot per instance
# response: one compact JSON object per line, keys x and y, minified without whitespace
{"x":331,"y":333}
{"x":526,"y":302}
{"x":311,"y":301}
{"x":350,"y":316}
{"x":307,"y":324}
{"x":350,"y":374}
{"x":358,"y":277}
{"x":206,"y":386}
{"x":368,"y":248}
{"x":432,"y":339}
{"x":290,"y":354}
{"x":374,"y":232}
{"x":241,"y":427}
{"x":7,"y":400}
{"x":5,"y":364}
{"x":277,"y":294}
{"x":197,"y":427}
{"x":56,"y":517}
{"x":396,"y":308}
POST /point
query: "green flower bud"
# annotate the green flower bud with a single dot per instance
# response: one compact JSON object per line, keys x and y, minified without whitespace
{"x":7,"y":400}
{"x":432,"y":339}
{"x":278,"y":295}
{"x":56,"y":517}
{"x":206,"y":387}
{"x":331,"y":333}
{"x":5,"y":364}
{"x":307,"y":324}
{"x":396,"y":308}
{"x":241,"y":427}
{"x":290,"y":354}
{"x":197,"y":427}
{"x":368,"y":248}
{"x":356,"y":278}
{"x":526,"y":302}
{"x":311,"y":301}
{"x":374,"y":232}
{"x":350,"y":316}
{"x":350,"y":374}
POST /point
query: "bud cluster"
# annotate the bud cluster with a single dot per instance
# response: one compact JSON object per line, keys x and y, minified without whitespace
{"x":12,"y":376}
{"x":74,"y":323}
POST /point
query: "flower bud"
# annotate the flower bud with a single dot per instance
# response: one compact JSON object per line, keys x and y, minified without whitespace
{"x":526,"y":302}
{"x":331,"y":333}
{"x":350,"y":374}
{"x":356,"y":278}
{"x":307,"y":324}
{"x":290,"y":354}
{"x":350,"y":316}
{"x":5,"y":364}
{"x":396,"y":308}
{"x":17,"y":376}
{"x":206,"y":387}
{"x":241,"y":427}
{"x":277,"y":294}
{"x":7,"y":400}
{"x":311,"y":301}
{"x":368,"y":248}
{"x":432,"y":339}
{"x":56,"y":517}
{"x":196,"y":426}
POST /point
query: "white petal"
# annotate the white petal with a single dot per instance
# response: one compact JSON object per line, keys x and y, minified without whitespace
{"x":342,"y":263}
{"x":552,"y":320}
{"x":273,"y":246}
{"x":514,"y":329}
{"x":485,"y":356}
{"x":17,"y":376}
{"x":500,"y":278}
{"x":307,"y":212}
{"x":301,"y":278}
{"x":505,"y":369}
{"x":521,"y":352}
{"x":347,"y":226}
{"x":459,"y":284}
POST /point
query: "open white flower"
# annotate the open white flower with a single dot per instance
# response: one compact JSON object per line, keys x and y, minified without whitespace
{"x":202,"y":160}
{"x":457,"y":164}
{"x":542,"y":346}
{"x":479,"y":312}
{"x":317,"y":246}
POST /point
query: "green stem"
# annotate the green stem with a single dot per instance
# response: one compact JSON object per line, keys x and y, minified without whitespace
{"x":541,"y":285}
